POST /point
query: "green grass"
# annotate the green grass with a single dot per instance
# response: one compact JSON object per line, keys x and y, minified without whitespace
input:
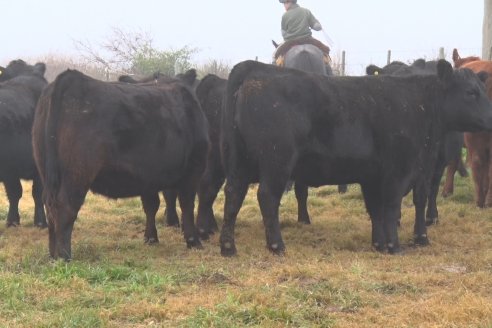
{"x":329,"y":276}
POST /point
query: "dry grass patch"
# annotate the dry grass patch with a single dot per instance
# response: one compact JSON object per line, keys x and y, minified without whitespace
{"x":329,"y":276}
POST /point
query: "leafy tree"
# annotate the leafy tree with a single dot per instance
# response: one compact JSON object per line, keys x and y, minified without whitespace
{"x":126,"y":52}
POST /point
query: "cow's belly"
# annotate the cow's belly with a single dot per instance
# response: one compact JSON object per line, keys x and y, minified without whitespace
{"x":121,"y":184}
{"x":16,"y":159}
{"x":315,"y":172}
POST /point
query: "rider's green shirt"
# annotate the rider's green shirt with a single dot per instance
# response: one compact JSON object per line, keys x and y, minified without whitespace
{"x":297,"y":23}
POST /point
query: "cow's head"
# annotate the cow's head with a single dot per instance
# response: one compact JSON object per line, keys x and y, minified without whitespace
{"x":466,"y":105}
{"x":19,"y":67}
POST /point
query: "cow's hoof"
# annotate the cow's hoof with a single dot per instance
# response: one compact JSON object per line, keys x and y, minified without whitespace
{"x":151,"y":240}
{"x":194,"y":242}
{"x":172,"y":224}
{"x":421,"y":240}
{"x":12,"y":224}
{"x":431,"y":221}
{"x":342,"y":189}
{"x":446,"y":193}
{"x":204,"y":234}
{"x":277,"y":249}
{"x":228,"y":249}
{"x":304,"y":221}
{"x":41,"y":225}
{"x":379,"y":247}
{"x":394,"y":249}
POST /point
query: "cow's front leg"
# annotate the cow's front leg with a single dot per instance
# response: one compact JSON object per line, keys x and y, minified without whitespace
{"x":372,"y":198}
{"x":170,"y":214}
{"x":392,"y":212}
{"x":13,"y":188}
{"x":150,"y":203}
{"x":301,"y":192}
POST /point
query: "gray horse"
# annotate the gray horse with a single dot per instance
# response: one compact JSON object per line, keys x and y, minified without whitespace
{"x":308,"y":58}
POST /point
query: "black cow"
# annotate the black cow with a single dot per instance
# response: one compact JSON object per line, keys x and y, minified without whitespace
{"x":21,"y":87}
{"x":118,"y":140}
{"x":210,"y":93}
{"x":452,"y":143}
{"x":380,"y":132}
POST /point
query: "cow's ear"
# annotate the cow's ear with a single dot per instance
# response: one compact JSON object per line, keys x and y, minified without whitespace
{"x":189,"y":77}
{"x":419,"y":63}
{"x":444,"y":71}
{"x":483,"y":76}
{"x":40,"y":68}
{"x":373,"y":70}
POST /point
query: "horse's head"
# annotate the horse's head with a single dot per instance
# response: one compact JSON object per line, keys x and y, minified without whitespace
{"x":458,"y":61}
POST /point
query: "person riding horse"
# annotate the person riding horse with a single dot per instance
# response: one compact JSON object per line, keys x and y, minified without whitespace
{"x":297,"y":23}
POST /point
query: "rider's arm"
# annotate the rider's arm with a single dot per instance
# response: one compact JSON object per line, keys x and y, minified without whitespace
{"x":314,"y":23}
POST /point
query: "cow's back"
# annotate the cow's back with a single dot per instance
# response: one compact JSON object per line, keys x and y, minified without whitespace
{"x":127,"y":137}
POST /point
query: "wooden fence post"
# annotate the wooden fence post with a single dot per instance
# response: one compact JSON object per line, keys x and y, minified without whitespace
{"x":441,"y":53}
{"x":342,"y":72}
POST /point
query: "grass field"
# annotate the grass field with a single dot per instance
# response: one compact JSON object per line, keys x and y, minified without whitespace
{"x":329,"y":276}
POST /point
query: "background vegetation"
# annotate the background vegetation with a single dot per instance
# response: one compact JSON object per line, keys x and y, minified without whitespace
{"x":329,"y":276}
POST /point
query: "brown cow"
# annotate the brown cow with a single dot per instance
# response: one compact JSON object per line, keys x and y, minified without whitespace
{"x":479,"y":144}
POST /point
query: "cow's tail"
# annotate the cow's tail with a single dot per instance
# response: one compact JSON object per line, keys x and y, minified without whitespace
{"x":52,"y":171}
{"x":231,"y":140}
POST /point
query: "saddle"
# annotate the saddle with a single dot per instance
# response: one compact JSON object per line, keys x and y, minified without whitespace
{"x":287,"y":45}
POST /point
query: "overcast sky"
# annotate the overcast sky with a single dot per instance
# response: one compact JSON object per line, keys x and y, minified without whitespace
{"x":235,"y":30}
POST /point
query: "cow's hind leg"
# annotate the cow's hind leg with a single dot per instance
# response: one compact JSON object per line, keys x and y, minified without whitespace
{"x":272,"y":182}
{"x":479,"y":171}
{"x":342,"y":189}
{"x":150,"y":203}
{"x":487,"y":183}
{"x":62,"y":212}
{"x":37,"y":195}
{"x":187,"y":204}
{"x":301,"y":192}
{"x":448,"y":188}
{"x":419,"y":202}
{"x":373,"y":201}
{"x":170,"y":214}
{"x":235,"y":191}
{"x":432,"y":214}
{"x":208,"y":189}
{"x":13,"y":188}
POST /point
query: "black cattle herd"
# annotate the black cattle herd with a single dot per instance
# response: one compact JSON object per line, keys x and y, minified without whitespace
{"x":391,"y":131}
